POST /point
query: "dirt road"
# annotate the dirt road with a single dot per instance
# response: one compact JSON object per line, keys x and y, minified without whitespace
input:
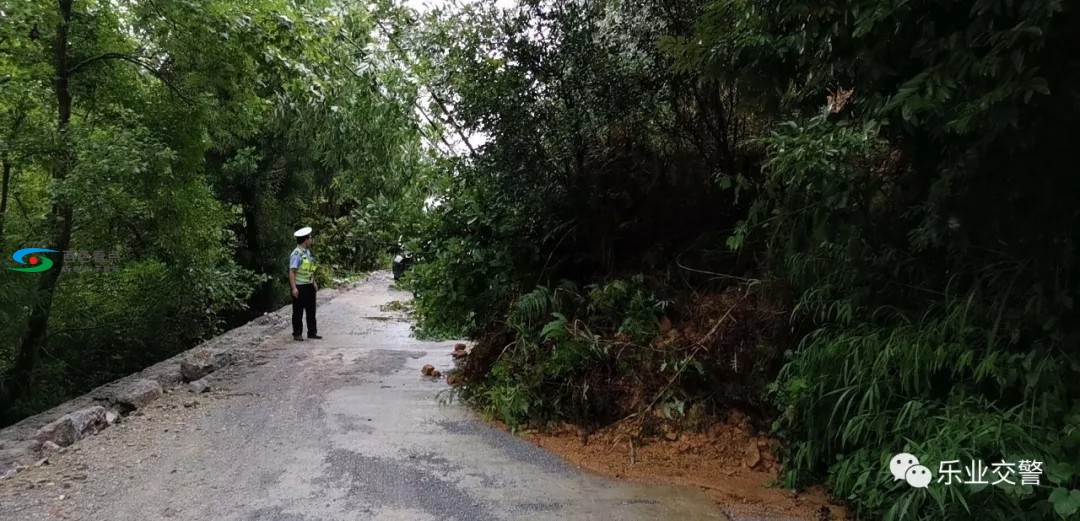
{"x":339,"y":429}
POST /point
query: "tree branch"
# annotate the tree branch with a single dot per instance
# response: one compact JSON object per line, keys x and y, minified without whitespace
{"x":416,"y":105}
{"x":163,"y":17}
{"x":450,"y":148}
{"x":133,"y":60}
{"x":449,"y":118}
{"x":106,"y":56}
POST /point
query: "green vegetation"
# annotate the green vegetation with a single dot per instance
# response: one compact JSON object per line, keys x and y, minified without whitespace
{"x":855,"y":221}
{"x":188,"y":138}
{"x":882,"y":188}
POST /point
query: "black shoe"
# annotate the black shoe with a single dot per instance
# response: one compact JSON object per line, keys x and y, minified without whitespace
{"x":298,"y":338}
{"x":315,"y":337}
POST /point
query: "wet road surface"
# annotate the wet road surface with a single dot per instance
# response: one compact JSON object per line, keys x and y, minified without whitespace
{"x":344,"y":428}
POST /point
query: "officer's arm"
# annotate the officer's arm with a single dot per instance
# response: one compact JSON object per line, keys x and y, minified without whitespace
{"x":294,"y":265}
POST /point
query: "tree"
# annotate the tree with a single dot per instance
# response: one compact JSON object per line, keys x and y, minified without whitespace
{"x":181,"y":137}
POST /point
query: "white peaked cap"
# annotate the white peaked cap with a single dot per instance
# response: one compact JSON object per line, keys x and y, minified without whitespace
{"x":303,"y":232}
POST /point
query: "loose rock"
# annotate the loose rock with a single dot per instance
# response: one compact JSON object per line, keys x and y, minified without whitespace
{"x":49,"y":448}
{"x":219,"y":359}
{"x":73,"y":427}
{"x":88,"y":421}
{"x":170,"y":378}
{"x":427,"y":370}
{"x":199,"y":386}
{"x":138,"y":394}
{"x":61,"y":432}
{"x":196,"y":370}
{"x":753,"y":456}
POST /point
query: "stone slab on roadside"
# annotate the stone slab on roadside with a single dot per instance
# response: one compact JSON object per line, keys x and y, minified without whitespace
{"x":73,"y":426}
{"x":137,"y":394}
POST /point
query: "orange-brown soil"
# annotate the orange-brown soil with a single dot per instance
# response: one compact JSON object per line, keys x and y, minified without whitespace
{"x":733,"y":466}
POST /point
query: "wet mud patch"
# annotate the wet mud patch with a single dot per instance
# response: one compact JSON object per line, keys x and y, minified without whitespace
{"x":439,"y":465}
{"x":348,"y":423}
{"x":275,"y":514}
{"x":384,"y":362}
{"x":516,"y":448}
{"x":401,"y":483}
{"x":546,"y":506}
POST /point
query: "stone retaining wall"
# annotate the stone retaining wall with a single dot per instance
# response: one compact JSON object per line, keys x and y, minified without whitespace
{"x":33,"y":439}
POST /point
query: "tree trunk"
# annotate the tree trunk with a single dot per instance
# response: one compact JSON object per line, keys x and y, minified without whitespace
{"x":28,"y":358}
{"x":262,"y":299}
{"x":4,"y":195}
{"x":251,"y":233}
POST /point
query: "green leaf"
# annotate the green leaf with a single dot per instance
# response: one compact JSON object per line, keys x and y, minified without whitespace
{"x":1066,"y":503}
{"x":1039,"y":85}
{"x":1060,"y":473}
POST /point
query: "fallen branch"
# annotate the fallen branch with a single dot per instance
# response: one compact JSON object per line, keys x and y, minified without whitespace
{"x":697,"y":347}
{"x":718,"y":275}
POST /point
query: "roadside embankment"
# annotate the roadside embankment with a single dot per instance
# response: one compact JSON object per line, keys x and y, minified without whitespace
{"x":31,"y":441}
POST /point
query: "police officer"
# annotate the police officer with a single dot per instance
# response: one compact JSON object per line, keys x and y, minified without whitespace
{"x":302,"y":280}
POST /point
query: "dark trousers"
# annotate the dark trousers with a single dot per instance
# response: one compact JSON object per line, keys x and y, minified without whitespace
{"x":304,"y":303}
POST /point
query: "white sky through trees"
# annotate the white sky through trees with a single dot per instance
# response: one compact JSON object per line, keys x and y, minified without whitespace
{"x":475,"y":139}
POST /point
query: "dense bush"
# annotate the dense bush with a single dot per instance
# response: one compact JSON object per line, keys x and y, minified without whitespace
{"x":565,"y":362}
{"x":595,"y":355}
{"x":469,"y":262}
{"x":901,"y":168}
{"x":915,"y":218}
{"x":597,"y":166}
